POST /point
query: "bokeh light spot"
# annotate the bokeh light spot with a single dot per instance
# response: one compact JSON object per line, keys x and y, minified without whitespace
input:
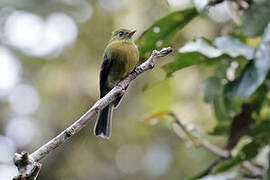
{"x":24,"y":99}
{"x":129,"y":158}
{"x":10,"y":71}
{"x":8,"y":172}
{"x":159,"y":43}
{"x":37,"y":37}
{"x":156,"y":29}
{"x":81,"y":10}
{"x":158,"y":160}
{"x":63,"y":27}
{"x":112,"y":5}
{"x":23,"y":29}
{"x":21,"y":131}
{"x":179,"y":3}
{"x":7,"y":150}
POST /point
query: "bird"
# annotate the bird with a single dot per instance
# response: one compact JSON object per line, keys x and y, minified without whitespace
{"x":120,"y":58}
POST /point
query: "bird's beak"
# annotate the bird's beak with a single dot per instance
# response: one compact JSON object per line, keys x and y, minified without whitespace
{"x":131,"y":33}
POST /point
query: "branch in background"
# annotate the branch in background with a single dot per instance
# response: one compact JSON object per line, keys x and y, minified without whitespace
{"x":29,"y":166}
{"x":240,"y":126}
{"x":200,"y":141}
{"x":224,"y":154}
{"x":255,"y":171}
{"x":182,"y":126}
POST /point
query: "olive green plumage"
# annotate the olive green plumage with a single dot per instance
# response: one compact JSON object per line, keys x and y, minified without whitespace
{"x":120,"y":58}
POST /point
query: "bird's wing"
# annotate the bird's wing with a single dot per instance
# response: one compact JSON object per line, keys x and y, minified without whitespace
{"x":105,"y":69}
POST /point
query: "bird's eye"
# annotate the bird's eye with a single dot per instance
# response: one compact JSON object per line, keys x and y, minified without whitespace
{"x":121,"y":33}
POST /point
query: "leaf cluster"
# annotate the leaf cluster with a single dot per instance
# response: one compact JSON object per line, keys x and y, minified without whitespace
{"x":237,"y":87}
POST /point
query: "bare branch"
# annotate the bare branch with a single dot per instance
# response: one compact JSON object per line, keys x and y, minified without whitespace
{"x":224,"y":154}
{"x":201,"y":141}
{"x":255,"y":171}
{"x":29,"y":166}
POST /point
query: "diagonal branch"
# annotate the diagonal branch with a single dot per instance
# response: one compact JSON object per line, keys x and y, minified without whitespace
{"x":29,"y":166}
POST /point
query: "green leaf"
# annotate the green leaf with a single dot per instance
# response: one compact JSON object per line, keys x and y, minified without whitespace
{"x":234,"y":47}
{"x":258,"y":98}
{"x":232,"y":103}
{"x":162,"y":31}
{"x":212,"y":88}
{"x":220,"y":110}
{"x":221,"y":128}
{"x":220,"y":46}
{"x":226,"y":165}
{"x":256,"y":17}
{"x":239,"y":34}
{"x":251,"y":78}
{"x":253,"y":75}
{"x":201,"y":50}
{"x":250,"y":150}
{"x":261,"y":131}
{"x":185,"y":60}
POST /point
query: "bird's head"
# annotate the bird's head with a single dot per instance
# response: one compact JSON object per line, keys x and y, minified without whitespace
{"x":122,"y":34}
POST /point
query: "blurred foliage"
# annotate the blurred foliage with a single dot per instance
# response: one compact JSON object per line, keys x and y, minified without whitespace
{"x":228,"y":93}
{"x":215,"y":85}
{"x":161,"y":32}
{"x":248,"y":152}
{"x":256,"y":18}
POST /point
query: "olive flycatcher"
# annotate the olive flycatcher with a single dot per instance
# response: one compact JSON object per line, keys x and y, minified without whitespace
{"x":119,"y":60}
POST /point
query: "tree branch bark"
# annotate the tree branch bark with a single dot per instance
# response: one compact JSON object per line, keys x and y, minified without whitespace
{"x":29,"y":166}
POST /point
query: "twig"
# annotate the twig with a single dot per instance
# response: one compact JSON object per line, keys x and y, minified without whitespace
{"x":29,"y":166}
{"x":182,"y":126}
{"x":256,"y":172}
{"x":224,"y":154}
{"x":211,"y":147}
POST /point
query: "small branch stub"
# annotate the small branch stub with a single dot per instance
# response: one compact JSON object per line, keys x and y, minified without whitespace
{"x":28,"y":170}
{"x":29,"y":166}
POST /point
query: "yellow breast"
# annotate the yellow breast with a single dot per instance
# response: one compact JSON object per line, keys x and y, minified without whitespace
{"x":125,"y":56}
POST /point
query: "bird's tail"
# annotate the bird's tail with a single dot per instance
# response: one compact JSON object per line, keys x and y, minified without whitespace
{"x":103,"y":122}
